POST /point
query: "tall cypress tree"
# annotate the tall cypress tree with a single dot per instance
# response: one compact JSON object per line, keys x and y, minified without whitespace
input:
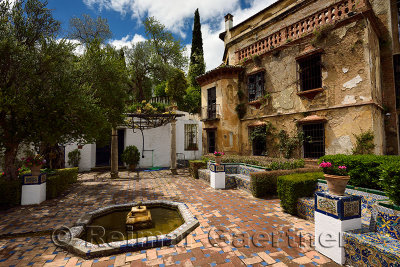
{"x":197,"y":66}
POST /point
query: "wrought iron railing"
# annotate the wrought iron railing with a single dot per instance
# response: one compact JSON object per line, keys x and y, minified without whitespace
{"x":211,"y":112}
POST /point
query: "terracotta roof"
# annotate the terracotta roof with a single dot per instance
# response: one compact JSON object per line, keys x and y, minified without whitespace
{"x":312,"y":119}
{"x":256,"y":124}
{"x":217,"y":72}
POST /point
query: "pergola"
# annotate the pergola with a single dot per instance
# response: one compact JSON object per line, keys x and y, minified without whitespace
{"x":143,"y":121}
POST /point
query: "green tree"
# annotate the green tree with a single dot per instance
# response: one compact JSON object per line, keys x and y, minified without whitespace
{"x":86,"y":29}
{"x":192,"y":99}
{"x":140,"y":68}
{"x":176,"y":87}
{"x":159,"y":89}
{"x":41,"y":99}
{"x":167,"y":52}
{"x":197,"y":66}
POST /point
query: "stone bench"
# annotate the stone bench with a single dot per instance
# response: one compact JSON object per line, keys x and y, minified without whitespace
{"x":379,"y":247}
{"x":237,"y":176}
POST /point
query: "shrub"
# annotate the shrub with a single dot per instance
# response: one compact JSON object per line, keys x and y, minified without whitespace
{"x":10,"y":193}
{"x":265,"y":183}
{"x":364,"y":170}
{"x":131,"y":155}
{"x":390,"y":181}
{"x":364,"y":144}
{"x":60,"y":181}
{"x":294,"y":186}
{"x":195,"y":165}
{"x":74,"y":157}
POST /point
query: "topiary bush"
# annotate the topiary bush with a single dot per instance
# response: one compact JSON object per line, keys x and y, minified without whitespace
{"x":390,"y":181}
{"x":294,"y":186}
{"x":195,"y":165}
{"x":265,"y":183}
{"x":131,"y":155}
{"x":74,"y":157}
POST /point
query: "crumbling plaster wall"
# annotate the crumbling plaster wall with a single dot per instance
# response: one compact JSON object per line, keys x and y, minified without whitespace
{"x":340,"y":129}
{"x":351,"y":76}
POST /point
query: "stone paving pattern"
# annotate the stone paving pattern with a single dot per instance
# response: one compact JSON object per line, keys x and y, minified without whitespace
{"x":255,"y":232}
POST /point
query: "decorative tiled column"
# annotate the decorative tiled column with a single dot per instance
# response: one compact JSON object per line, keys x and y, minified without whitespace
{"x":333,"y":216}
{"x":217,"y":176}
{"x":33,"y":189}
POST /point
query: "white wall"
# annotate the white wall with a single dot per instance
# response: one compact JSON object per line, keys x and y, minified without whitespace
{"x":88,"y":156}
{"x":157,"y":139}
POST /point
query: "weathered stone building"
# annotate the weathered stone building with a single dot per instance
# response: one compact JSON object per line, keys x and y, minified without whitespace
{"x":322,"y":67}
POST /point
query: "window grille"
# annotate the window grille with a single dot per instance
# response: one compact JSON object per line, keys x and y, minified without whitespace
{"x":309,"y":71}
{"x":211,"y":103}
{"x":191,"y":137}
{"x":255,"y":86}
{"x":314,"y":140}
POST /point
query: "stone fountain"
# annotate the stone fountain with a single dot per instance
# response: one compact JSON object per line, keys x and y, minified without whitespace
{"x":139,"y":218}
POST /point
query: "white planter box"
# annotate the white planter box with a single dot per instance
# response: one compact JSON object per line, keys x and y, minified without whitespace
{"x":33,"y":189}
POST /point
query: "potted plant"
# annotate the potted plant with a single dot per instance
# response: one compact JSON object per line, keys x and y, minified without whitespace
{"x":131,"y":157}
{"x":218,"y":157}
{"x":336,"y":178}
{"x":34,"y":163}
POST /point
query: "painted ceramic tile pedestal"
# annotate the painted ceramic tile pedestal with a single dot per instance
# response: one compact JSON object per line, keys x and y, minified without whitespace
{"x":33,"y":189}
{"x":217,"y":176}
{"x":333,"y":216}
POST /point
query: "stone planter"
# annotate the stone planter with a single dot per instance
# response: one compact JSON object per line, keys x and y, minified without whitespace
{"x":218,"y":160}
{"x":35,"y":170}
{"x":336,"y":184}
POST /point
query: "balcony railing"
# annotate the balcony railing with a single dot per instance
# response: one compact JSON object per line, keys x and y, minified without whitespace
{"x":329,"y":15}
{"x":212,"y":112}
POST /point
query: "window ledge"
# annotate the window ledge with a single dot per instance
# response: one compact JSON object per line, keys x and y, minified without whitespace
{"x":310,"y":94}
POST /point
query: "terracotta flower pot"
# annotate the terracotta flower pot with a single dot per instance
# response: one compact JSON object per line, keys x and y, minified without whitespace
{"x":218,"y":160}
{"x":336,"y":184}
{"x":132,"y":167}
{"x":35,"y":170}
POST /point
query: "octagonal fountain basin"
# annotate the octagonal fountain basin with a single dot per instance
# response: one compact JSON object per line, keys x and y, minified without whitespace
{"x":105,"y":231}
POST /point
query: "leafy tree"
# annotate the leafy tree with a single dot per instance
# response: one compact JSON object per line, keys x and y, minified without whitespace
{"x":192,"y":100}
{"x":167,"y":52}
{"x":139,"y":70}
{"x":176,"y":87}
{"x":197,"y":66}
{"x":159,"y":89}
{"x":48,"y":95}
{"x":86,"y":29}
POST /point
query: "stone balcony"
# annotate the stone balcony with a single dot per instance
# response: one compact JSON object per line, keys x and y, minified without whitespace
{"x":328,"y":16}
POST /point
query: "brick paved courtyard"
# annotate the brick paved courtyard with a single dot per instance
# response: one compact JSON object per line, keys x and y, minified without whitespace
{"x":256,"y":231}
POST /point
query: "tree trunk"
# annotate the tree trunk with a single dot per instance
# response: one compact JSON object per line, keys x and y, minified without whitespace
{"x":10,"y":156}
{"x":54,"y":155}
{"x":114,"y":153}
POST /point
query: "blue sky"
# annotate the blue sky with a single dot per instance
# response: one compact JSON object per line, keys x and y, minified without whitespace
{"x":125,"y":16}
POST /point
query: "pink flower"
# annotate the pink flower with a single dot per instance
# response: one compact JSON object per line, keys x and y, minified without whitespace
{"x":342,"y":167}
{"x":325,"y":164}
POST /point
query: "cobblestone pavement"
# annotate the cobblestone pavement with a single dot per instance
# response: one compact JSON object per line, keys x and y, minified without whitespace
{"x":264,"y":235}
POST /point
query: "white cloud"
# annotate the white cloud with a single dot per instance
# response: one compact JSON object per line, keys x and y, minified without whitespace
{"x":127,"y":41}
{"x":177,"y":16}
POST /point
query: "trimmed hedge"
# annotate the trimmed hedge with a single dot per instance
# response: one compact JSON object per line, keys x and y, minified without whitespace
{"x":265,"y":162}
{"x":195,"y":165}
{"x":58,"y":183}
{"x":364,"y":170}
{"x":294,"y":186}
{"x":390,"y":181}
{"x":265,"y":183}
{"x":10,"y":193}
